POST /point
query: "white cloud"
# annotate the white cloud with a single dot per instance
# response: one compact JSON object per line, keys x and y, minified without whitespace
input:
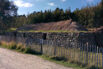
{"x":39,"y":0}
{"x":90,"y":0}
{"x":51,"y":4}
{"x":21,"y":3}
{"x":63,"y":0}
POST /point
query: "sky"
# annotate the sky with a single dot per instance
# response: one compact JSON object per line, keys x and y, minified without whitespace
{"x":29,"y":6}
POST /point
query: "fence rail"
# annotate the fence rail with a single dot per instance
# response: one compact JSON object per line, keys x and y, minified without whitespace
{"x":80,"y":52}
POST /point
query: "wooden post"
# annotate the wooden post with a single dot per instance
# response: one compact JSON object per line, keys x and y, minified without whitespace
{"x":92,"y":53}
{"x":95,"y":53}
{"x":79,"y":56}
{"x":82,"y":53}
{"x":80,"y":60}
{"x":97,"y":57}
{"x":54,"y":50}
{"x":41,"y":46}
{"x":102,"y":57}
{"x":87,"y":53}
{"x":68,"y":52}
{"x":74,"y":53}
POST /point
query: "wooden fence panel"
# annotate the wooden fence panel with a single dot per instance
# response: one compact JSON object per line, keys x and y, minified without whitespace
{"x":79,"y":52}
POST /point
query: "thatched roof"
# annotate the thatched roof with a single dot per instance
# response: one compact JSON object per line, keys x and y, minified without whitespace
{"x":67,"y":25}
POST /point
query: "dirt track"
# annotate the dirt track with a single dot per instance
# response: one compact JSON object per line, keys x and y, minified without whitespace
{"x":13,"y":60}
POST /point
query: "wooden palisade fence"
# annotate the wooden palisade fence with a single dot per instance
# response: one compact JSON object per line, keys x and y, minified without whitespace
{"x":81,"y":53}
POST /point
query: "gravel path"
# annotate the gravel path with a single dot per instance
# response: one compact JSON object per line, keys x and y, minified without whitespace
{"x":14,"y":60}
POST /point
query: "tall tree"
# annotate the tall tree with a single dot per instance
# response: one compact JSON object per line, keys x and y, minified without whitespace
{"x":7,"y":11}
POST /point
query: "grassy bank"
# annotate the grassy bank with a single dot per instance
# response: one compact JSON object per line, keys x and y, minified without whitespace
{"x":48,"y":31}
{"x":54,"y":31}
{"x":59,"y":60}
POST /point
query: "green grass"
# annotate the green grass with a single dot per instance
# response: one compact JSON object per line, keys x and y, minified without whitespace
{"x":48,"y":31}
{"x":56,"y":31}
{"x":63,"y":62}
{"x":11,"y":29}
{"x":8,"y":30}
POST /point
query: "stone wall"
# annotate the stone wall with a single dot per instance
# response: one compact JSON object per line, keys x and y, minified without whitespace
{"x":58,"y":39}
{"x":66,"y":39}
